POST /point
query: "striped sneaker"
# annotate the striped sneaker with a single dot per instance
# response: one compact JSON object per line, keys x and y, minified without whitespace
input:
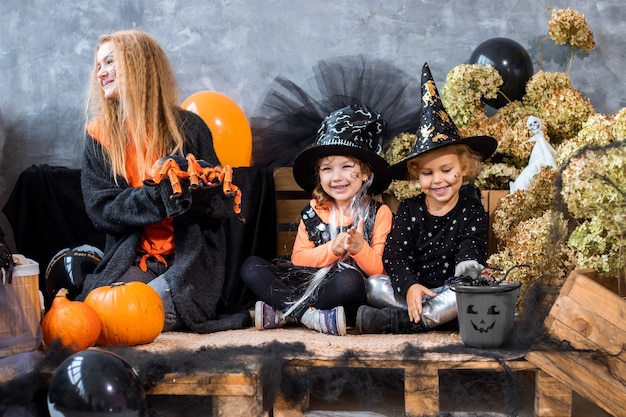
{"x":266,"y":317}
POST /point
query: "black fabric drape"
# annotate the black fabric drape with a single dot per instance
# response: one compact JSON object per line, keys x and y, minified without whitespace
{"x":47,"y":213}
{"x":257,"y":236}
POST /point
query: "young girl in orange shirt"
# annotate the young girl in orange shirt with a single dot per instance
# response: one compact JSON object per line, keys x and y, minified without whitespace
{"x":342,"y":231}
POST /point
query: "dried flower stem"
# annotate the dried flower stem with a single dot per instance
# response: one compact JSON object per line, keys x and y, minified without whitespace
{"x":541,"y":51}
{"x":571,"y":57}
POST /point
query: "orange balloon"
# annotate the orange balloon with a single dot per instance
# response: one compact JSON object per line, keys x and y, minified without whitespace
{"x":232,"y":136}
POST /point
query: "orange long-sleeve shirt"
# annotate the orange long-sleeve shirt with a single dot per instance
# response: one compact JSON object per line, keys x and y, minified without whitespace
{"x":369,"y":258}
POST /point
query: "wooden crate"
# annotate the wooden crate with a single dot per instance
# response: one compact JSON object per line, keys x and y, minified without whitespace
{"x":290,"y":200}
{"x":583,"y":344}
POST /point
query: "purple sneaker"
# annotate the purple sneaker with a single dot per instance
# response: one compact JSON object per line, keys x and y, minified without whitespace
{"x":326,"y":321}
{"x":266,"y":317}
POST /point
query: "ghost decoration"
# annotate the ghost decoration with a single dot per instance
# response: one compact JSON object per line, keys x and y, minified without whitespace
{"x":542,"y":155}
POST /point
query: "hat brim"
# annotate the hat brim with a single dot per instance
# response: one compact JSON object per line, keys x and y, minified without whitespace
{"x":485,"y":146}
{"x":306,"y":177}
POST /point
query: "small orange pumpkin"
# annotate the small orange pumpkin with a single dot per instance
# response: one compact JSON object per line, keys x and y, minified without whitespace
{"x":131,"y":313}
{"x":74,"y":323}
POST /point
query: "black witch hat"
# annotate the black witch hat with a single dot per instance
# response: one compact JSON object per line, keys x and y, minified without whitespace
{"x":354,"y":130}
{"x":437,"y":130}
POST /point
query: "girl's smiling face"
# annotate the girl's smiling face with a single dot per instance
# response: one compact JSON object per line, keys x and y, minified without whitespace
{"x":341,"y":177}
{"x":440,"y":174}
{"x":106,"y":70}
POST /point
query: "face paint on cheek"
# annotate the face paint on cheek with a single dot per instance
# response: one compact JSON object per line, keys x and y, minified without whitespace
{"x":355,"y":174}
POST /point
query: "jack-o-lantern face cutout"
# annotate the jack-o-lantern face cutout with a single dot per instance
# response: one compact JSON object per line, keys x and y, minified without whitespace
{"x":485,"y":321}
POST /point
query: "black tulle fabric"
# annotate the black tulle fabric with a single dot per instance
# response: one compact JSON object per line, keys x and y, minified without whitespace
{"x":289,"y":115}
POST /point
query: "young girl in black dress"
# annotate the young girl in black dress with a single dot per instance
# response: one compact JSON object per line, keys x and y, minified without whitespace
{"x":440,"y":234}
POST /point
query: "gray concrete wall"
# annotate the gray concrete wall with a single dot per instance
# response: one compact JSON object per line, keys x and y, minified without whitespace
{"x":237,"y":47}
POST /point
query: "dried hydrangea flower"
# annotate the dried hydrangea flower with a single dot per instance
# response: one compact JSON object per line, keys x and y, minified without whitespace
{"x":508,"y":127}
{"x":597,"y":130}
{"x":399,"y":147}
{"x":513,"y":141}
{"x":564,"y":112}
{"x":594,"y":183}
{"x":496,"y":176}
{"x":539,"y":242}
{"x":619,"y":124}
{"x":569,"y":26}
{"x":403,"y":189}
{"x":596,"y":247}
{"x":541,"y":192}
{"x":509,"y":212}
{"x":465,"y":87}
{"x":395,"y":151}
{"x":593,"y":186}
{"x":541,"y":86}
{"x":484,"y":126}
{"x":524,"y":204}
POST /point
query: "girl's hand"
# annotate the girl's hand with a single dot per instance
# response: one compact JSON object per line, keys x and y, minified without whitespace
{"x":469,"y":268}
{"x":414,"y":297}
{"x":338,"y":244}
{"x":355,"y":241}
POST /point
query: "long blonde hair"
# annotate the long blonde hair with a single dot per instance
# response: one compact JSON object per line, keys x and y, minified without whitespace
{"x":144,"y":116}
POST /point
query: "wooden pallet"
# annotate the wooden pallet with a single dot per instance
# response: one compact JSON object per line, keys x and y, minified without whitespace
{"x":421,"y":358}
{"x":234,"y":392}
{"x":422,"y":382}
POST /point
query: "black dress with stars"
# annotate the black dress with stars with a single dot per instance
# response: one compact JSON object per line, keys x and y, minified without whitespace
{"x":425,"y":249}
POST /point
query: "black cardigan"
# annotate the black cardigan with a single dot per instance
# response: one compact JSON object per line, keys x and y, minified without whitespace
{"x":196,"y":277}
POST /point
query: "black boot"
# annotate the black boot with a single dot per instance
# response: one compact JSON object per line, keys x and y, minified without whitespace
{"x":386,"y":320}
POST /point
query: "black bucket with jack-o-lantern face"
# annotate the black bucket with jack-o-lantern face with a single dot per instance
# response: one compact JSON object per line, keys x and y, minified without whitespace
{"x":486,"y":314}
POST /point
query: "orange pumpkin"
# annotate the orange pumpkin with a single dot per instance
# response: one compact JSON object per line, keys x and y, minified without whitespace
{"x":131,"y":313}
{"x":75,"y":324}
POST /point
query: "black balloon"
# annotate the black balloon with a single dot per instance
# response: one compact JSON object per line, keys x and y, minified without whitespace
{"x":512,"y":62}
{"x":68,"y":269}
{"x":96,"y":382}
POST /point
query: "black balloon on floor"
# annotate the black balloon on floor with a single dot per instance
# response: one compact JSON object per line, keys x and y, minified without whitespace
{"x":95,"y":382}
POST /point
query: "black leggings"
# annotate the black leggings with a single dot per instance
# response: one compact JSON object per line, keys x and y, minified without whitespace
{"x":278,"y":285}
